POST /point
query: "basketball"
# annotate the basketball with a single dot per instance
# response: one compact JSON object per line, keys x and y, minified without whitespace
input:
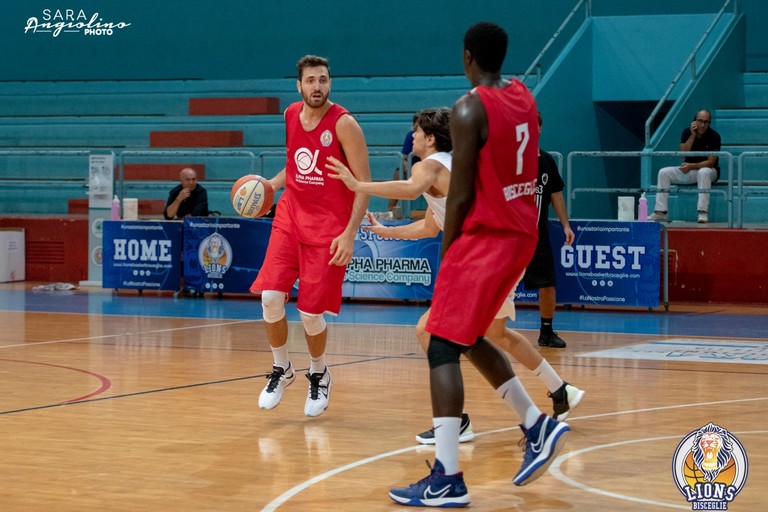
{"x":692,"y":473}
{"x":252,"y":196}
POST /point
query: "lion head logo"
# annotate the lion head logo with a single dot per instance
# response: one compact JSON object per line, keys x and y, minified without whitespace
{"x":711,"y":450}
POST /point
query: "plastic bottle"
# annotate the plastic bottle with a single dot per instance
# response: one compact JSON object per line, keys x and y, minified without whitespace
{"x":115,"y":208}
{"x":642,"y":208}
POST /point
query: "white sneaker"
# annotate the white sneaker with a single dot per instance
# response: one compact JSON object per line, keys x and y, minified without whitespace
{"x":703,"y":217}
{"x":277,"y":381}
{"x":658,"y":217}
{"x":318,"y":393}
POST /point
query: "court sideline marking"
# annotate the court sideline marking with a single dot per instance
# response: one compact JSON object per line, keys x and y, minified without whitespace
{"x":138,"y":333}
{"x":555,"y":469}
{"x":286,"y":496}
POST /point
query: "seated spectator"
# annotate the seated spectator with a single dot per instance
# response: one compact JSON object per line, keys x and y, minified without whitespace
{"x":405,"y":152}
{"x":701,"y":170}
{"x":187,"y":198}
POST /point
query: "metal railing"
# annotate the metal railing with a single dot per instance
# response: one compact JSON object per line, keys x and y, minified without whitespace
{"x":536,"y":64}
{"x":728,"y":192}
{"x":744,"y":186}
{"x":47,"y":152}
{"x":689,"y":62}
{"x":165,"y":153}
{"x":47,"y":180}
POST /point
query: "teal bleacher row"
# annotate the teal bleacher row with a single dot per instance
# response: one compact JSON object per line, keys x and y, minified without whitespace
{"x":134,"y":131}
{"x":121,"y":115}
{"x":170,"y":98}
{"x":44,"y":184}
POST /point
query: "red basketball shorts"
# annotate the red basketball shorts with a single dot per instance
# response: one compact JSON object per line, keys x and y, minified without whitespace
{"x":287,"y":260}
{"x":476,"y":275}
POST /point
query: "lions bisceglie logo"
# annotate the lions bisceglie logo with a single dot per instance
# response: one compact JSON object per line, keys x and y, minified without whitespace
{"x":710,"y":468}
{"x":215,"y":256}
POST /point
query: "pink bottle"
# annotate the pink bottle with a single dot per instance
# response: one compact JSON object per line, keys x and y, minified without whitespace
{"x":642,"y":208}
{"x":115,"y":208}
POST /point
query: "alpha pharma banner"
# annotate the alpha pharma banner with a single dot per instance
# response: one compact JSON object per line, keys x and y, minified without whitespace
{"x":385,"y":268}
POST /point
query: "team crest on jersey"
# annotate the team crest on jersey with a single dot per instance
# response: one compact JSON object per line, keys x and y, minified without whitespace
{"x":710,"y":468}
{"x":215,"y":256}
{"x":326,"y":138}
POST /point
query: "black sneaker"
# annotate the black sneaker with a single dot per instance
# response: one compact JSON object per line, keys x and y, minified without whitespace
{"x":551,"y":339}
{"x":565,"y":399}
{"x":465,"y":432}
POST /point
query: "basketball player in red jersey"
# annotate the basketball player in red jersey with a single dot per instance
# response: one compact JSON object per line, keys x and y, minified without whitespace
{"x":431,"y":177}
{"x":313,"y":232}
{"x":491,"y":223}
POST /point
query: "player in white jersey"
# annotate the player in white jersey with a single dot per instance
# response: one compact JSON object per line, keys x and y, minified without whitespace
{"x":431,"y":177}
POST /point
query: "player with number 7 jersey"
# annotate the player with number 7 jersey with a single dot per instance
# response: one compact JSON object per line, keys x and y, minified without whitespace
{"x":508,"y":162}
{"x":499,"y":233}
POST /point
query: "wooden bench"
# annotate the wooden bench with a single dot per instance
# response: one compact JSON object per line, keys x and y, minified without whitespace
{"x":196,"y":138}
{"x":233,"y":106}
{"x":159,"y":172}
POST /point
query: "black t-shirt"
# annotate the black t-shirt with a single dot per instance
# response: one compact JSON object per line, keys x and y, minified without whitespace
{"x":550,"y":182}
{"x":195,"y":205}
{"x":710,"y":141}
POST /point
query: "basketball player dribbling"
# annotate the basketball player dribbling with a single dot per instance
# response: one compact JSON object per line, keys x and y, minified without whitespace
{"x":313,"y":232}
{"x":430,"y":177}
{"x":491,"y":223}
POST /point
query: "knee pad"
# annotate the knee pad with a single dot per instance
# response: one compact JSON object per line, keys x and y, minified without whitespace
{"x":273,"y":305}
{"x":442,"y":351}
{"x":313,"y":324}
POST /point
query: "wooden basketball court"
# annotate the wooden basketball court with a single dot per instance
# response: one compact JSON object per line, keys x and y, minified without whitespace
{"x":119,"y":408}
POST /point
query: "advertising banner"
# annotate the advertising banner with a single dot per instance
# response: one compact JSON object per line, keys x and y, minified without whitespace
{"x":609,"y":264}
{"x":143,"y":255}
{"x":385,"y":268}
{"x":223,"y":254}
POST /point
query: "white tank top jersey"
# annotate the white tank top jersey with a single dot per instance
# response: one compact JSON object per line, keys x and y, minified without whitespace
{"x":438,"y":203}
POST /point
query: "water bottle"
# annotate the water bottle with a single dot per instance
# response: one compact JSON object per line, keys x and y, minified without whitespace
{"x":642,"y":208}
{"x":115,"y":208}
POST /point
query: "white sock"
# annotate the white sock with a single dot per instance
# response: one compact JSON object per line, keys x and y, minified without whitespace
{"x":317,"y":364}
{"x":550,"y":377}
{"x":280,"y":354}
{"x":515,"y":395}
{"x":447,"y":442}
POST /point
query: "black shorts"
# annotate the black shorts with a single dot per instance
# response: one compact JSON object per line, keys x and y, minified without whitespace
{"x":540,"y":272}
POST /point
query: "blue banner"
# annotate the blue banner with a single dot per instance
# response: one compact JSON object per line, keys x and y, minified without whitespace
{"x":609,"y":264}
{"x":143,"y":255}
{"x":224,"y":254}
{"x":385,"y":268}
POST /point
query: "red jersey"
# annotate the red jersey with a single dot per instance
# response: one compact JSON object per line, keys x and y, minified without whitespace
{"x":498,"y":237}
{"x":313,"y":208}
{"x":505,"y":184}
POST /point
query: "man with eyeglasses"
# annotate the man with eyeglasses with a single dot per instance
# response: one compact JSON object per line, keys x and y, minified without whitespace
{"x":701,"y":170}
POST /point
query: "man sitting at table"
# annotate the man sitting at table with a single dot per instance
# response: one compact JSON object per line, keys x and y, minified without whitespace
{"x":187,"y":198}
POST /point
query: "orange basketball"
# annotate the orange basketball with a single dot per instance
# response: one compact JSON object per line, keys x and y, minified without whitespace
{"x":252,"y":196}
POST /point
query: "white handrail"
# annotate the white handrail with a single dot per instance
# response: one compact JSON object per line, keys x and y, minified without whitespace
{"x":551,"y":41}
{"x":690,"y":61}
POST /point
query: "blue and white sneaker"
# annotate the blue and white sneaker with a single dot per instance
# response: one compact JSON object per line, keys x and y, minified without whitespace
{"x":436,"y":490}
{"x":543,"y":442}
